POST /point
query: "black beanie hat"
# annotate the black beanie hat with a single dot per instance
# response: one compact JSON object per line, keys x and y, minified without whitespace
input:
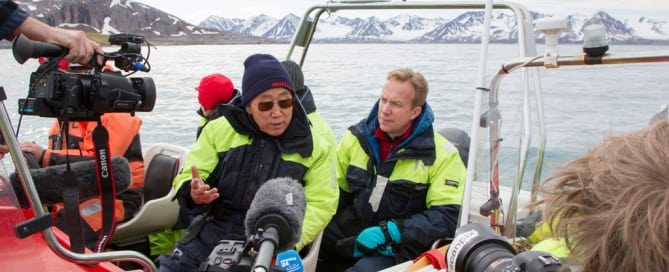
{"x":263,"y":72}
{"x":295,"y":73}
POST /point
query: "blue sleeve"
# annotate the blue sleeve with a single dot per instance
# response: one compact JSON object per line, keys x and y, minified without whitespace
{"x":11,"y":17}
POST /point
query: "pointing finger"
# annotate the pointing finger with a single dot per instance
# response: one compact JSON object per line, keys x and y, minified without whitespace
{"x":196,"y":174}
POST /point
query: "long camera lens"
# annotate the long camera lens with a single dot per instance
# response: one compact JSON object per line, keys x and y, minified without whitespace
{"x":115,"y":93}
{"x":477,"y":248}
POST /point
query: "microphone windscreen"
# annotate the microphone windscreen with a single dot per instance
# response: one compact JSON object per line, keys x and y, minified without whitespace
{"x":290,"y":261}
{"x":49,"y":180}
{"x":283,"y":197}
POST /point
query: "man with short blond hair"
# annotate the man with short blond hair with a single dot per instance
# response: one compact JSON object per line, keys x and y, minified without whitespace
{"x":400,"y":182}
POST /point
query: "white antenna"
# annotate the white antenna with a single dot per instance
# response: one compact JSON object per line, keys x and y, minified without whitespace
{"x":551,"y":28}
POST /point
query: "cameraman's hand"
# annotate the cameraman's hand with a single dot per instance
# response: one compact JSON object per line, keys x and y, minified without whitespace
{"x":373,"y":239}
{"x":200,"y":192}
{"x":81,"y":49}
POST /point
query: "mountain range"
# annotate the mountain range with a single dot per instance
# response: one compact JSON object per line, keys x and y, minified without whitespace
{"x":464,"y":28}
{"x":117,"y":16}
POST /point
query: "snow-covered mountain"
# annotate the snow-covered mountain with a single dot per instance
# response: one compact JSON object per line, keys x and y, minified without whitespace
{"x":127,"y":16}
{"x":132,"y":16}
{"x":464,"y":28}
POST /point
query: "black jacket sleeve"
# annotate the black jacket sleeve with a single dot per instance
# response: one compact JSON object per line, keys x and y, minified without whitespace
{"x":421,"y":230}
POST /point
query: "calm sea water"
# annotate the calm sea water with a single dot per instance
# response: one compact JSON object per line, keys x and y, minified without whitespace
{"x":581,"y":103}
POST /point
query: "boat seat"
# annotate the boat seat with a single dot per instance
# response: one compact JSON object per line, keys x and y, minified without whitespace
{"x":460,"y":139}
{"x":310,"y":260}
{"x":162,"y":167}
{"x":159,"y":211}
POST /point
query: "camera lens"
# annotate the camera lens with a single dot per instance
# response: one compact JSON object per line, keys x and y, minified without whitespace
{"x":490,"y":258}
{"x":477,"y":248}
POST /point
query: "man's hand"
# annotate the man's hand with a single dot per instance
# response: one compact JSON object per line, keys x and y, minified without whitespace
{"x":373,"y":239}
{"x":33,"y":149}
{"x":81,"y":48}
{"x":200,"y":191}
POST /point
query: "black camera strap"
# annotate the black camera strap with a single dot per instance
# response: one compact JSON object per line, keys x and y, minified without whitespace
{"x":70,"y":191}
{"x":105,"y":184}
{"x":71,"y":205}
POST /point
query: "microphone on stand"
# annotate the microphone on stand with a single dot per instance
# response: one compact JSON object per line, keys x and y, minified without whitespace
{"x":274,"y":219}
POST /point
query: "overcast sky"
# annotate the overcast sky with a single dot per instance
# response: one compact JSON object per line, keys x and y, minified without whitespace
{"x":195,"y":11}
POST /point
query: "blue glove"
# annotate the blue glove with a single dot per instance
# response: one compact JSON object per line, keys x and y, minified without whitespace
{"x":373,"y":239}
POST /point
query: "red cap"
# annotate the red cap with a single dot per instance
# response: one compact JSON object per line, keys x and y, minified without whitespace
{"x":213,"y":90}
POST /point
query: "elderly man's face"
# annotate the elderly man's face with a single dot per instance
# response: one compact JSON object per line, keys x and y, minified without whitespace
{"x":272,"y":110}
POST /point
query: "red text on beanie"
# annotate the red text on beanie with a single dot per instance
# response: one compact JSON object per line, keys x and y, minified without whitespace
{"x":213,"y":90}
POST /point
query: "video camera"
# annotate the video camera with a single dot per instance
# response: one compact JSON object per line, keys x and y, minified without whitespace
{"x":86,"y":96}
{"x":477,"y":248}
{"x":229,"y":255}
{"x":234,"y":255}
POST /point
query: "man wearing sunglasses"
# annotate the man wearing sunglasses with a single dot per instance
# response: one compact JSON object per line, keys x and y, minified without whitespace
{"x":401,"y":182}
{"x":263,"y":134}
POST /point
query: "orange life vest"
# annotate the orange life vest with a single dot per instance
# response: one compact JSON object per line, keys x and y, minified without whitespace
{"x":124,"y":140}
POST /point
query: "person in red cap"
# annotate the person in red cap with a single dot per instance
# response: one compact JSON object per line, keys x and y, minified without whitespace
{"x":214,"y":93}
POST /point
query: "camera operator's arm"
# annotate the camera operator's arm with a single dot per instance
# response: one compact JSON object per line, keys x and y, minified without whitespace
{"x":11,"y":17}
{"x":17,"y":21}
{"x":81,"y":48}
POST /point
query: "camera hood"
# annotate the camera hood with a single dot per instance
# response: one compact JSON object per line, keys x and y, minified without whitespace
{"x":473,"y":242}
{"x":24,"y":49}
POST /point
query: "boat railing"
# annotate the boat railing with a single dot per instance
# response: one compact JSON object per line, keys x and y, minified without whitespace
{"x":493,"y":91}
{"x":307,"y":26}
{"x":33,"y":198}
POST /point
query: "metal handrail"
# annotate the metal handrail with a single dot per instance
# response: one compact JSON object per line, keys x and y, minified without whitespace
{"x":312,"y":15}
{"x":536,"y":62}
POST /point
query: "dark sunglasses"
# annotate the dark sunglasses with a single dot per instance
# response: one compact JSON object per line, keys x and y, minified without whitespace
{"x":268,"y":105}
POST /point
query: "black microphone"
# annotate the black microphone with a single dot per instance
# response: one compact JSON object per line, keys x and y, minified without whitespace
{"x":274,"y":219}
{"x":49,"y":180}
